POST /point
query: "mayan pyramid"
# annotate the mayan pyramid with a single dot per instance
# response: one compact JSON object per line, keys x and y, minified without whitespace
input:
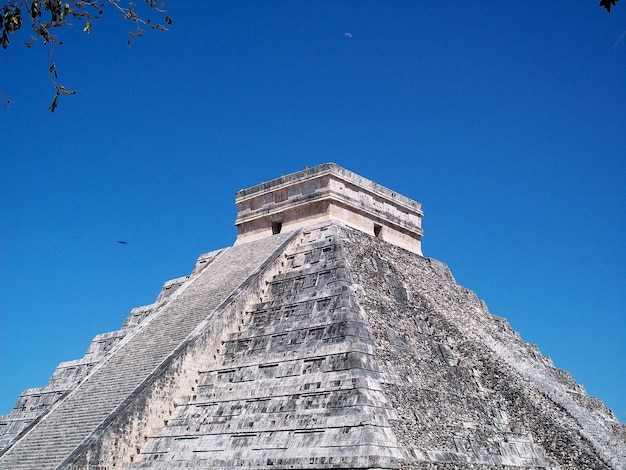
{"x":321,"y":339}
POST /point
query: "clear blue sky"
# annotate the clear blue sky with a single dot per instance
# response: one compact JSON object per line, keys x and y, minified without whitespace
{"x":505,"y":119}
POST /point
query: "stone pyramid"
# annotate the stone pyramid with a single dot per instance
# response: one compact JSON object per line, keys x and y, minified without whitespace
{"x":321,"y":339}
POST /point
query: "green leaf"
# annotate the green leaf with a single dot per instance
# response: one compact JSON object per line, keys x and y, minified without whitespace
{"x":35,"y":10}
{"x":607,"y":4}
{"x":55,"y":103}
{"x":52,"y":70}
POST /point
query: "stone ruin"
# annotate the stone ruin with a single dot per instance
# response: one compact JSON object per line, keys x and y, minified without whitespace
{"x":321,"y":339}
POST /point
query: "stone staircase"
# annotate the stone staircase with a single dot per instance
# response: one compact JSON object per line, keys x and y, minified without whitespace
{"x":110,"y":385}
{"x":295,"y":386}
{"x":34,"y":403}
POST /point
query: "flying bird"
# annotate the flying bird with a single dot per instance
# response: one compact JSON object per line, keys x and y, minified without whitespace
{"x":122,"y":242}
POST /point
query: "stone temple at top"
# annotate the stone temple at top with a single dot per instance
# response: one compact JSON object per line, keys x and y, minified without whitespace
{"x":321,"y":339}
{"x":328,"y":193}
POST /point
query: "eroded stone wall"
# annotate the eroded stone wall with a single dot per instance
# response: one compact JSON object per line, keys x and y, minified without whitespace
{"x":469,"y":393}
{"x":295,"y":385}
{"x":343,"y":351}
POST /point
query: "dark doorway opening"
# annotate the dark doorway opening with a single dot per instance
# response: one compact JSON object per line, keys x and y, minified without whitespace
{"x":377,"y":230}
{"x":276,"y":227}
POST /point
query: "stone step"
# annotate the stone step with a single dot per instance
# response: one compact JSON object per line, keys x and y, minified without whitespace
{"x":111,"y":382}
{"x":34,"y":402}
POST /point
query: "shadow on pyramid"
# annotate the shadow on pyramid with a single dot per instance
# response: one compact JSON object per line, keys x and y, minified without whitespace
{"x":321,"y":339}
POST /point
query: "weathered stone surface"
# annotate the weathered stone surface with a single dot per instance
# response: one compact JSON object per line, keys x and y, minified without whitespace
{"x":324,"y":193}
{"x":295,"y":386}
{"x":34,"y":402}
{"x":118,"y":380}
{"x":325,"y":347}
{"x":468,"y":391}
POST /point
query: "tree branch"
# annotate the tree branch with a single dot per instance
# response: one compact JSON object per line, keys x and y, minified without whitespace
{"x":46,"y":16}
